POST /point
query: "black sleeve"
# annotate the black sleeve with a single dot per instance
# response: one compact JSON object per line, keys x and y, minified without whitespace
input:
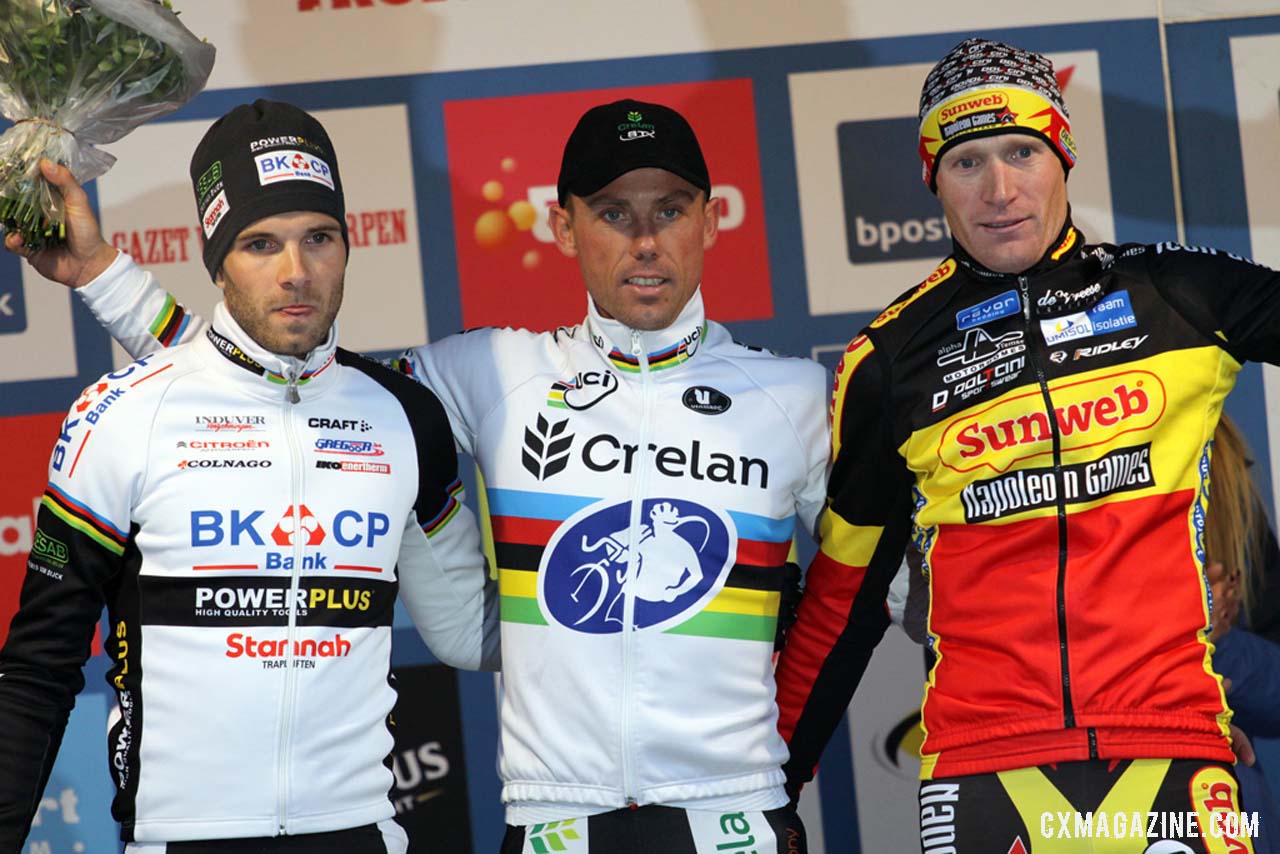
{"x":1231,"y":300}
{"x":864,"y":530}
{"x":49,"y":641}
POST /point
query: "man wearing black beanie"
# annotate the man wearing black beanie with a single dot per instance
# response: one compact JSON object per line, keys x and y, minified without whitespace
{"x":247,"y":506}
{"x":645,"y":477}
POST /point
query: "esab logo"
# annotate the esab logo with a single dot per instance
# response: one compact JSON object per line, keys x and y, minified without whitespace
{"x":1089,"y":412}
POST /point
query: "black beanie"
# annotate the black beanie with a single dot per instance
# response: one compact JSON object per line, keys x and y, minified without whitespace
{"x":260,"y":160}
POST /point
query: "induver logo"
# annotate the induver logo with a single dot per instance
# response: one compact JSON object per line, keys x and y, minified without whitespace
{"x":546,"y":448}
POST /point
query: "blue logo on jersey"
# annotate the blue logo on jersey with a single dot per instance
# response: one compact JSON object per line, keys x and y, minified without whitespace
{"x":1112,"y":313}
{"x":590,"y":567}
{"x":998,"y":306}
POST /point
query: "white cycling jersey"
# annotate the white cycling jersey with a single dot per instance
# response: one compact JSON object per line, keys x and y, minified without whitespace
{"x":644,"y":488}
{"x":247,"y":519}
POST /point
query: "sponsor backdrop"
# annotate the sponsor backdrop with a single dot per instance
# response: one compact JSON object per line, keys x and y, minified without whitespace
{"x":450,"y":116}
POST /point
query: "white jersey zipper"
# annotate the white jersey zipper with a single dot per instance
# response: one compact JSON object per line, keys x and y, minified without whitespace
{"x":288,"y":700}
{"x":639,"y":489}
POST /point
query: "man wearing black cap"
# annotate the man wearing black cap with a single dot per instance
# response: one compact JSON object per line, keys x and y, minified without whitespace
{"x":1036,"y":419}
{"x":247,"y":507}
{"x":645,"y":475}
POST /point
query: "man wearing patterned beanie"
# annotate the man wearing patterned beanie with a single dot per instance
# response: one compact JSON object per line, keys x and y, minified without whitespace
{"x":1036,"y":420}
{"x":197,"y":492}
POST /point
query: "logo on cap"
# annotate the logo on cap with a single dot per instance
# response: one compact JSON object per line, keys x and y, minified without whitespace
{"x":292,"y":166}
{"x":635,"y":127}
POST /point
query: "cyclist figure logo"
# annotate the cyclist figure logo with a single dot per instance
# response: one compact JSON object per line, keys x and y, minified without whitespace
{"x":681,"y":554}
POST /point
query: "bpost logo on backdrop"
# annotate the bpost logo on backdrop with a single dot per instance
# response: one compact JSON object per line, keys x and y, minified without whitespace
{"x":13,"y":309}
{"x":504,"y":158}
{"x":889,"y":214}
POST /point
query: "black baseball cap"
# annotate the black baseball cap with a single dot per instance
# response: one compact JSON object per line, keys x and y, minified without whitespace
{"x":613,"y":139}
{"x":259,"y":160}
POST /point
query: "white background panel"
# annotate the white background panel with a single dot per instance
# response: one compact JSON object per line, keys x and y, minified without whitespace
{"x":262,"y":42}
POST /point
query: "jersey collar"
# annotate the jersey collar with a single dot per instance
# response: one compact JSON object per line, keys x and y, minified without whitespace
{"x":255,"y":364}
{"x":670,"y":347}
{"x":1067,"y":247}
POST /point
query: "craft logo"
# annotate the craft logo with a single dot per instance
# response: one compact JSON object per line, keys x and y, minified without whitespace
{"x":504,"y":185}
{"x":292,"y":166}
{"x":680,"y":561}
{"x":340,"y":424}
{"x":1087,"y":413}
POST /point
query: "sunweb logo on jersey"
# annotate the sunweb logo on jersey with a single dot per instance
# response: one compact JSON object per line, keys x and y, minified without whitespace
{"x":590,"y":567}
{"x":1086,"y":413}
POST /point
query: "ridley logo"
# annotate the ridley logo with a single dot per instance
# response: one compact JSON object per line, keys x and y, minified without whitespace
{"x":1089,"y":412}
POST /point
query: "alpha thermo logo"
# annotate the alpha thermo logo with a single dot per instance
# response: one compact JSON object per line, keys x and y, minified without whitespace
{"x":591,"y":566}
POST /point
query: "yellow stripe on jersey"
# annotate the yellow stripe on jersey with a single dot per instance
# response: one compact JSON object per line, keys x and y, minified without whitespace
{"x":858,"y":350}
{"x":740,"y":600}
{"x":517,"y":582}
{"x":937,"y":277}
{"x":851,"y":545}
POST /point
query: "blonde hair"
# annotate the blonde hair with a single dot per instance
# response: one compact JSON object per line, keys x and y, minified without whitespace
{"x":1234,"y":526}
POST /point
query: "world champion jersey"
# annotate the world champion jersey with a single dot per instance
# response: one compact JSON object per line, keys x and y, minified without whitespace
{"x":1043,"y":441}
{"x":644,"y":489}
{"x":248,"y":521}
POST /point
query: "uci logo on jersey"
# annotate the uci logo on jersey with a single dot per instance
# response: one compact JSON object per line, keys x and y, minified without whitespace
{"x":590,"y":567}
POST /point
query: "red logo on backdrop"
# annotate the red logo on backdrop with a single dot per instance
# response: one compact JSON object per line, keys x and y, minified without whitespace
{"x":504,"y":157}
{"x":28,"y":440}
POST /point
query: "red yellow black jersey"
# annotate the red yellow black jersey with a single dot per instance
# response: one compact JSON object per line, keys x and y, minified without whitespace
{"x":1044,"y":441}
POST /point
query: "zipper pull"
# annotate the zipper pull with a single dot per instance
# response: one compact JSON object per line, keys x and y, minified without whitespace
{"x":636,"y":349}
{"x":292,"y":391}
{"x":1026,"y":298}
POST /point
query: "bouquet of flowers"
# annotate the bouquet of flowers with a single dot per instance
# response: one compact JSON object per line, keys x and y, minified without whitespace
{"x":80,"y":73}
